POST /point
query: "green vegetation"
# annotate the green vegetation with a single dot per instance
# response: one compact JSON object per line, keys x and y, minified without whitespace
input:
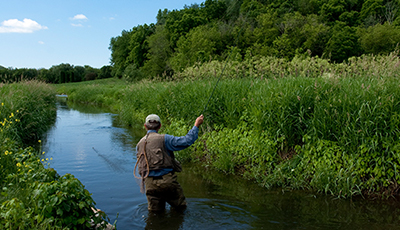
{"x":33,"y":196}
{"x":336,"y":31}
{"x":305,"y":123}
{"x":56,"y":74}
{"x":208,"y":32}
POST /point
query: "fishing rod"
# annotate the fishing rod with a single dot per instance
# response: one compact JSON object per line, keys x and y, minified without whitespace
{"x":226,"y":62}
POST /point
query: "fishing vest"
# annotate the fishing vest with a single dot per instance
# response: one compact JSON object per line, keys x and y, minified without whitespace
{"x":157,"y":156}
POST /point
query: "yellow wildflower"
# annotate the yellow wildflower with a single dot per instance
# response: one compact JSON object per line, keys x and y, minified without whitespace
{"x":6,"y":153}
{"x":39,"y":141}
{"x":2,"y":104}
{"x":47,"y":159}
{"x":51,"y":158}
{"x":18,"y":164}
{"x":42,"y":159}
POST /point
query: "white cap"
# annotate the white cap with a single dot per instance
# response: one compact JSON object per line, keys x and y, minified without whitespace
{"x":153,"y":118}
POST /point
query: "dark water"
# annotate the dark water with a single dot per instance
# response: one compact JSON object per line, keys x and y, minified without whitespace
{"x":89,"y":143}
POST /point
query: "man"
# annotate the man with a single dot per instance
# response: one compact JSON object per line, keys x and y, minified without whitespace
{"x":155,"y":158}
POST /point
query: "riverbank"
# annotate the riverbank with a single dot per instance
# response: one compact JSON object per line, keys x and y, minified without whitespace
{"x":333,"y":133}
{"x":33,"y":195}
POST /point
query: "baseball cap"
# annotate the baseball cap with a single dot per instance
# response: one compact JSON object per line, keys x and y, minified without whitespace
{"x":153,"y":118}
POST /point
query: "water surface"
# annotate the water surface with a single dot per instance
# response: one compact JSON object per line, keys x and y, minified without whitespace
{"x":89,"y":143}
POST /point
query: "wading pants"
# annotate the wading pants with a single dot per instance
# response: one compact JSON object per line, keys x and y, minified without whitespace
{"x":164,"y":189}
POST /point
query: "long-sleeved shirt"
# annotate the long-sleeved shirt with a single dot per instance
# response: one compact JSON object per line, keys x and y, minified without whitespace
{"x":173,"y":143}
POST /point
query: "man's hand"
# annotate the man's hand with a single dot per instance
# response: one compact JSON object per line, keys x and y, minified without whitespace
{"x":199,"y":121}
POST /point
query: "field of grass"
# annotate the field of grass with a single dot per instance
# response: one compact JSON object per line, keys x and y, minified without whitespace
{"x":33,"y":196}
{"x":335,"y":131}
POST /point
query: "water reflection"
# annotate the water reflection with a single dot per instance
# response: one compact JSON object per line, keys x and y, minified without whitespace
{"x":90,"y":143}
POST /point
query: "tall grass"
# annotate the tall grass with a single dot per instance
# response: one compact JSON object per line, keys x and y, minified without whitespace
{"x":33,"y":196}
{"x":300,"y":124}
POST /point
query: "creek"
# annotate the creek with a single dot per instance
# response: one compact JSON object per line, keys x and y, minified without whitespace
{"x":90,"y":143}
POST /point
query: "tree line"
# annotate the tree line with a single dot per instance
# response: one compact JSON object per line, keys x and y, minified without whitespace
{"x":331,"y":29}
{"x":63,"y":73}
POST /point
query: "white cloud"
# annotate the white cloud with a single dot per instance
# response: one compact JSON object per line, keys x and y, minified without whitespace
{"x":76,"y":25}
{"x":79,"y":17}
{"x":41,"y":42}
{"x":112,"y":18}
{"x":16,"y":26}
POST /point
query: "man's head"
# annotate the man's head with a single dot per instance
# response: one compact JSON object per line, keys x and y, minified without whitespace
{"x":153,"y":122}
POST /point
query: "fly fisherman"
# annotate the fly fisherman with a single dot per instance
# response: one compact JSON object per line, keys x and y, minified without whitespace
{"x":157,"y":164}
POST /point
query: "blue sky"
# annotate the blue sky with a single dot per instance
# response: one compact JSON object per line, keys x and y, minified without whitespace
{"x":42,"y":33}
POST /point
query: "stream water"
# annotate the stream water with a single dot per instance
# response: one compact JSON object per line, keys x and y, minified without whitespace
{"x":89,"y":143}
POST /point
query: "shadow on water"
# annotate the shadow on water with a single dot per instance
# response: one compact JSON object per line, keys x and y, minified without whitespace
{"x":90,"y":143}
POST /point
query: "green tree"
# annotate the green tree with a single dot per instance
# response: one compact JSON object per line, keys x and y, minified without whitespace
{"x":162,"y":16}
{"x":199,"y":45}
{"x":316,"y":34}
{"x":90,"y":73}
{"x":44,"y":75}
{"x":159,"y":53}
{"x":350,"y":18}
{"x":332,"y":10}
{"x":213,"y":9}
{"x":119,"y":47}
{"x":138,"y":44}
{"x":179,"y":23}
{"x":105,"y":72}
{"x":79,"y":72}
{"x":380,"y":39}
{"x":63,"y":73}
{"x":371,"y":12}
{"x":343,"y":43}
{"x":132,"y":73}
{"x":265,"y":33}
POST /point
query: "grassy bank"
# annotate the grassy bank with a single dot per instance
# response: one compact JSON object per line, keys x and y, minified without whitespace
{"x":336,"y":133}
{"x":33,"y":196}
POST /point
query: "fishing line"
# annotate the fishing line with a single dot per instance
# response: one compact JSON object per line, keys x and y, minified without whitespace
{"x":116,"y":166}
{"x":227,"y":60}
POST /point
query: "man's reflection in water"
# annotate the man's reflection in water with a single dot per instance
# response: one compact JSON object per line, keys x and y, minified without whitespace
{"x":165,"y":220}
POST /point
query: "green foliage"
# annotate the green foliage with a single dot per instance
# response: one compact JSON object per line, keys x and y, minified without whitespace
{"x":138,"y":44}
{"x":380,"y":39}
{"x":188,"y":37}
{"x":32,"y":195}
{"x":304,"y":123}
{"x":198,"y":46}
{"x":343,"y":43}
{"x":32,"y":98}
{"x":132,"y":73}
{"x":105,"y":72}
{"x":159,"y":53}
{"x":119,"y":53}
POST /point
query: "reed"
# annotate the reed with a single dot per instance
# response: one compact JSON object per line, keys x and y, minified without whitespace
{"x":306,"y":123}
